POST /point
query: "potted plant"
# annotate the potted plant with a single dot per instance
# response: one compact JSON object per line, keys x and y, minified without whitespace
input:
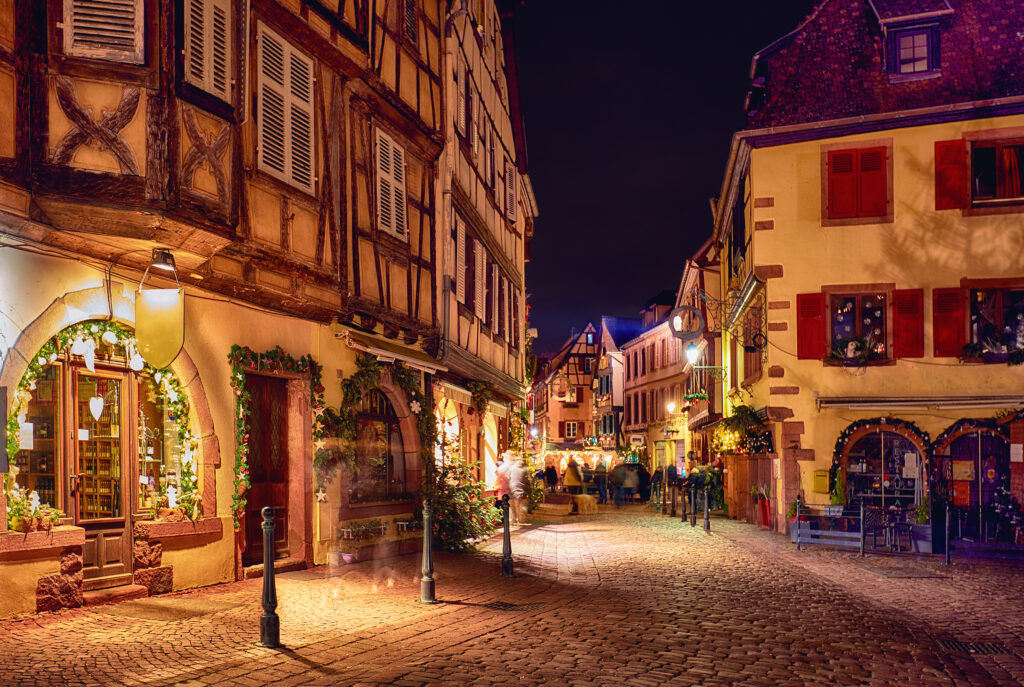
{"x":344,"y":552}
{"x":921,"y":530}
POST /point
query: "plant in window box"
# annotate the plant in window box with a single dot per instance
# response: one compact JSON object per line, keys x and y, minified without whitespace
{"x":855,"y":351}
{"x":25,"y":513}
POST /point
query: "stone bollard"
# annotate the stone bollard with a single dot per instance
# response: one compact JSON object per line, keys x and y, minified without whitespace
{"x":427,"y":569}
{"x":707,"y":510}
{"x":693,"y":505}
{"x":506,"y":544}
{"x":270,"y":624}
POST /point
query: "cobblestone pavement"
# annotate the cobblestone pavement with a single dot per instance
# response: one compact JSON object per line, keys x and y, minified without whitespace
{"x":621,"y":598}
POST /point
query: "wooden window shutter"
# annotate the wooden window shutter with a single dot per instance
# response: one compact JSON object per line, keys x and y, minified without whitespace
{"x":503,"y":307}
{"x":951,"y":189}
{"x":481,"y":277}
{"x":489,"y":294}
{"x":409,"y":21}
{"x":810,"y":326}
{"x":285,"y":122}
{"x":104,"y":30}
{"x":908,"y":323}
{"x":460,"y":260}
{"x":510,"y":190}
{"x":873,"y":189}
{"x":471,"y":273}
{"x":842,"y":184}
{"x":460,"y":95}
{"x":561,"y":428}
{"x":477,"y":110}
{"x":391,"y":197}
{"x":948,"y":322}
{"x":208,"y":46}
{"x":495,"y":275}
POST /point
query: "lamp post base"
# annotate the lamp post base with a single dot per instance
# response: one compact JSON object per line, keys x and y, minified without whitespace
{"x":270,"y":630}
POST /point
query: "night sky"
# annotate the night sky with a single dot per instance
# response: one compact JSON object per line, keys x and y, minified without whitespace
{"x":630,"y":110}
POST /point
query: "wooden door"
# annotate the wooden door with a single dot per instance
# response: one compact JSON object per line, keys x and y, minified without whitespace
{"x":981,"y":461}
{"x":268,"y":465}
{"x":98,"y":475}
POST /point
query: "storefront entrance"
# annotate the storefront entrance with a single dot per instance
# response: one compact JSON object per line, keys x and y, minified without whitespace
{"x":97,"y":475}
{"x":268,"y":465}
{"x":980,"y":466}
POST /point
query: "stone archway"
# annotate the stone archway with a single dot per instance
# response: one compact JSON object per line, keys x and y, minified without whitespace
{"x":407,"y":424}
{"x":108,"y":302}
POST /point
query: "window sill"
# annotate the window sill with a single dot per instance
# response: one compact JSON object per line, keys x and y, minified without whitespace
{"x":867,"y":363}
{"x":994,"y":207}
{"x":915,"y":76}
{"x":465,"y":311}
{"x":856,"y":221}
{"x":57,"y":538}
{"x":150,"y":529}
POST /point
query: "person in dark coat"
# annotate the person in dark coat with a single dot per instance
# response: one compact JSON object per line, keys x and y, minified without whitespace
{"x":645,"y":483}
{"x":601,"y":481}
{"x":551,"y":478}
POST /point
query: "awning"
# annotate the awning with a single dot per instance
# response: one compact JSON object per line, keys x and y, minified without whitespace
{"x":498,"y":409}
{"x":455,"y":393}
{"x":388,"y":351}
{"x":921,"y":403}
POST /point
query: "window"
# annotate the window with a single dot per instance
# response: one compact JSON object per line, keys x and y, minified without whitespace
{"x":590,"y":338}
{"x":285,"y":115}
{"x":391,"y":202}
{"x":643,"y":360}
{"x":882,"y":469}
{"x":409,"y":21}
{"x":570,"y":430}
{"x":855,"y":327}
{"x":380,"y":454}
{"x":208,"y":28}
{"x":751,"y":353}
{"x":913,"y":52}
{"x":997,"y":322}
{"x":460,"y":258}
{"x":997,"y":172}
{"x":104,"y":29}
{"x":858,"y":327}
{"x":858,"y":184}
{"x":510,"y":193}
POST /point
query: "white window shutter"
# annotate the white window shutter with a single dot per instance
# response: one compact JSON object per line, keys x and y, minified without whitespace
{"x":510,"y":190}
{"x":391,"y":200}
{"x":505,"y":307}
{"x":480,"y":265}
{"x":494,"y":299}
{"x":460,"y":260}
{"x":460,"y":97}
{"x":104,"y":29}
{"x":285,"y":123}
{"x":208,"y":46}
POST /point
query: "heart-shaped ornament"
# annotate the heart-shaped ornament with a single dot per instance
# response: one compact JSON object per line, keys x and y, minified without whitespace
{"x":96,"y":407}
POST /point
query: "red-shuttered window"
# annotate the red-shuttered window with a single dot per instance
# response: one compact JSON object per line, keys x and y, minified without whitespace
{"x":908,"y":323}
{"x":810,"y":326}
{"x":858,"y":327}
{"x":951,"y":190}
{"x":948,"y":322}
{"x":997,"y":171}
{"x":858,"y":183}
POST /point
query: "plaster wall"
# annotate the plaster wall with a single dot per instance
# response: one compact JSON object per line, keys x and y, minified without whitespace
{"x":20,"y":576}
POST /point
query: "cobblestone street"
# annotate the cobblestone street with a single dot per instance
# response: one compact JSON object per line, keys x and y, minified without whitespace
{"x":622,"y":598}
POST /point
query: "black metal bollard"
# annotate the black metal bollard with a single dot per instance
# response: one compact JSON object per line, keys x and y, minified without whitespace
{"x":427,"y":570}
{"x":947,"y":534}
{"x":673,"y":501}
{"x":270,"y":624}
{"x":506,"y":544}
{"x":693,"y":505}
{"x":707,"y":510}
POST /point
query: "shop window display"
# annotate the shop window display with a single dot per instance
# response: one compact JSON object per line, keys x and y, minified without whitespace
{"x":380,"y":472}
{"x":884,"y":469}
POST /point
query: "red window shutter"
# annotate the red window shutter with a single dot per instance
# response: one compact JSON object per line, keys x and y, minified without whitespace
{"x":561,"y":428}
{"x":951,"y":174}
{"x":810,"y":326}
{"x":842,"y":184}
{"x":908,"y":323}
{"x":873,"y":196}
{"x":948,"y":308}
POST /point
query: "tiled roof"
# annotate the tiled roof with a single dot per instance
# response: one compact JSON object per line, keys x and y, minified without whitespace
{"x":888,"y":10}
{"x":622,"y":329}
{"x":833,"y":65}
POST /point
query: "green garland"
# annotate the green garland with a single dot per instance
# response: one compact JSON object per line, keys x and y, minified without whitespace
{"x":243,"y":358}
{"x":845,"y":435}
{"x":481,"y":393}
{"x":174,"y":395}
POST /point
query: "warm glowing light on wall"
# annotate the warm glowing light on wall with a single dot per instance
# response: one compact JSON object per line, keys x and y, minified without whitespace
{"x":692,"y":353}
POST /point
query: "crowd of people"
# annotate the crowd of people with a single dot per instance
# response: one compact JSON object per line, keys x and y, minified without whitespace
{"x":624,"y":482}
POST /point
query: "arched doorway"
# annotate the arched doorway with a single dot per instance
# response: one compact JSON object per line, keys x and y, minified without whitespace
{"x":979,"y":468}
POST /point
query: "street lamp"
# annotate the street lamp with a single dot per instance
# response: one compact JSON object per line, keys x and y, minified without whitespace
{"x":693,"y":354}
{"x":671,"y":407}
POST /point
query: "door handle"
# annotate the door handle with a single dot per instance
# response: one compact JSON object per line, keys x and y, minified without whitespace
{"x":74,"y":483}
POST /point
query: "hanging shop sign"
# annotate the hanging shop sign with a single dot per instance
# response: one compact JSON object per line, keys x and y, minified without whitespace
{"x":160,"y":325}
{"x":636,"y":439}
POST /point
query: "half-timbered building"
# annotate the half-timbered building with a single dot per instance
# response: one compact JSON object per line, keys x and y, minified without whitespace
{"x":287,"y":154}
{"x":488,"y":212}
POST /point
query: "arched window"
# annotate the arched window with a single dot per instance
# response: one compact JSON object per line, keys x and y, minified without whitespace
{"x":884,"y":469}
{"x":381,"y":472}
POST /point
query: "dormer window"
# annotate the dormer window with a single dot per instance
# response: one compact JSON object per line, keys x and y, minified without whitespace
{"x":914,"y":53}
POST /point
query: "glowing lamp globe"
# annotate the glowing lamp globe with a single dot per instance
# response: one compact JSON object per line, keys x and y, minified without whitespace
{"x":692,"y":353}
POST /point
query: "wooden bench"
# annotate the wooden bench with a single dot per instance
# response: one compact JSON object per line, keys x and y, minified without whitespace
{"x":802,"y":533}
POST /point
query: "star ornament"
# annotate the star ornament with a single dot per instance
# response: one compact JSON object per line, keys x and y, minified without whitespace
{"x":319,"y":443}
{"x":415,"y":407}
{"x":321,"y":495}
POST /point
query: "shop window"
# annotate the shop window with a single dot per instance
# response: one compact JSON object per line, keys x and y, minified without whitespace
{"x":159,"y":457}
{"x":884,"y":469}
{"x":996,"y":324}
{"x":380,"y":475}
{"x":39,"y":459}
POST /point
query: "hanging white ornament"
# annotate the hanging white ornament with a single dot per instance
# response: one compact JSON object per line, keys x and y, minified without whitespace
{"x":53,"y":356}
{"x":78,"y":346}
{"x":158,"y":376}
{"x":90,"y":355}
{"x":109,"y":338}
{"x":96,"y":407}
{"x":135,"y":362}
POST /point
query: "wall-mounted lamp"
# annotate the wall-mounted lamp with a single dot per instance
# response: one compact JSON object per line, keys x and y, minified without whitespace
{"x":693,"y":355}
{"x":670,"y":407}
{"x":160,"y":314}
